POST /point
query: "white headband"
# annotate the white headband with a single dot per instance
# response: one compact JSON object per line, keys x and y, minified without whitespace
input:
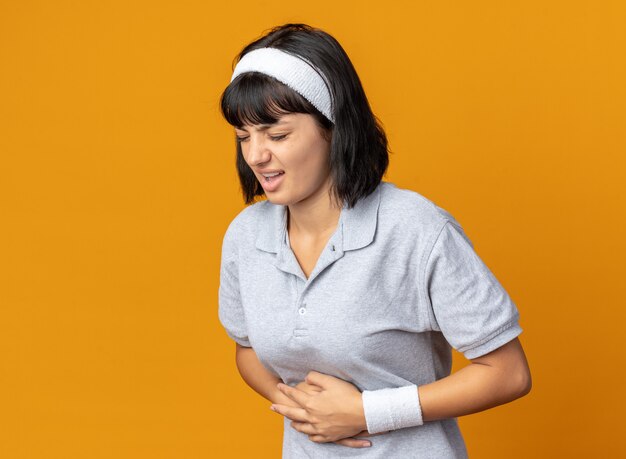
{"x":294,"y":71}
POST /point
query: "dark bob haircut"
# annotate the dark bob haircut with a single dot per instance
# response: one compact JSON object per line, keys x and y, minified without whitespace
{"x":359,"y":154}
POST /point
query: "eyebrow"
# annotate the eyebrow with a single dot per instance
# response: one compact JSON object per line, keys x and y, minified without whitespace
{"x":264,"y":127}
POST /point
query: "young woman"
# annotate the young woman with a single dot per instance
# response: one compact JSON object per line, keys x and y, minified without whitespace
{"x":344,"y":293}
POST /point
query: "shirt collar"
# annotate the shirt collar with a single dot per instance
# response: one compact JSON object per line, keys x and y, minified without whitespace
{"x":357,"y":225}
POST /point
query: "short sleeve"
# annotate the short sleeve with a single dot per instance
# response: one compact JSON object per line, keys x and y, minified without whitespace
{"x":471,"y":308}
{"x":230,"y":309}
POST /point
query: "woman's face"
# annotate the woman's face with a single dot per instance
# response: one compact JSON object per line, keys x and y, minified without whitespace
{"x":293,"y":146}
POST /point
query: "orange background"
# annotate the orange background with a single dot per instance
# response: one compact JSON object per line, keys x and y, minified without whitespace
{"x":117,"y":182}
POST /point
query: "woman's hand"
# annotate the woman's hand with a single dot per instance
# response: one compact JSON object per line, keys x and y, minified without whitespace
{"x":351,"y":442}
{"x":328,"y":409}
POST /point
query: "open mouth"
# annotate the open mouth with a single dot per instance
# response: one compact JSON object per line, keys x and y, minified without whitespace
{"x":271,"y":177}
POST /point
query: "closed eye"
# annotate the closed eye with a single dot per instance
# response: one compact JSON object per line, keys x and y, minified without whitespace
{"x":274,"y":138}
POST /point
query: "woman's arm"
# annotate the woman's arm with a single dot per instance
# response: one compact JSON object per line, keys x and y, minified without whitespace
{"x":493,"y":379}
{"x":265,"y":384}
{"x":258,"y":377}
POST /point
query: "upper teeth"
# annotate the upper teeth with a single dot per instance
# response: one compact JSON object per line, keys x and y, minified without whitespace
{"x":271,"y":174}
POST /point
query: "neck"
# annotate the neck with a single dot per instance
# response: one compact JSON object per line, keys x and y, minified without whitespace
{"x":315,"y":217}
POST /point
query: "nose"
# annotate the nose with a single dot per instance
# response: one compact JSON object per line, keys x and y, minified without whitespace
{"x":258,"y":152}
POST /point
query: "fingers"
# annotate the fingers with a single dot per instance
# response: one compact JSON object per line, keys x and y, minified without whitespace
{"x":291,"y":412}
{"x":317,"y":378}
{"x":311,"y":431}
{"x":296,"y":395}
{"x":304,"y":427}
{"x":350,"y":442}
{"x":321,"y":379}
{"x":354,"y":443}
{"x":308,"y":388}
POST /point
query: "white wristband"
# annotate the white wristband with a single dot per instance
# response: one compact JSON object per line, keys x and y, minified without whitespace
{"x":391,"y":409}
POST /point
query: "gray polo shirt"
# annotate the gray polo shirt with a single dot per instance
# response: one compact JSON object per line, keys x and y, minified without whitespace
{"x":397,"y":286}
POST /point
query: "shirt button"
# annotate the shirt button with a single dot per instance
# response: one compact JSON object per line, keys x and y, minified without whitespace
{"x":302,"y":311}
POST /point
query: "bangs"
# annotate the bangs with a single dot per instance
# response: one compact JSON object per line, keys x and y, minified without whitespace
{"x":255,"y":98}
